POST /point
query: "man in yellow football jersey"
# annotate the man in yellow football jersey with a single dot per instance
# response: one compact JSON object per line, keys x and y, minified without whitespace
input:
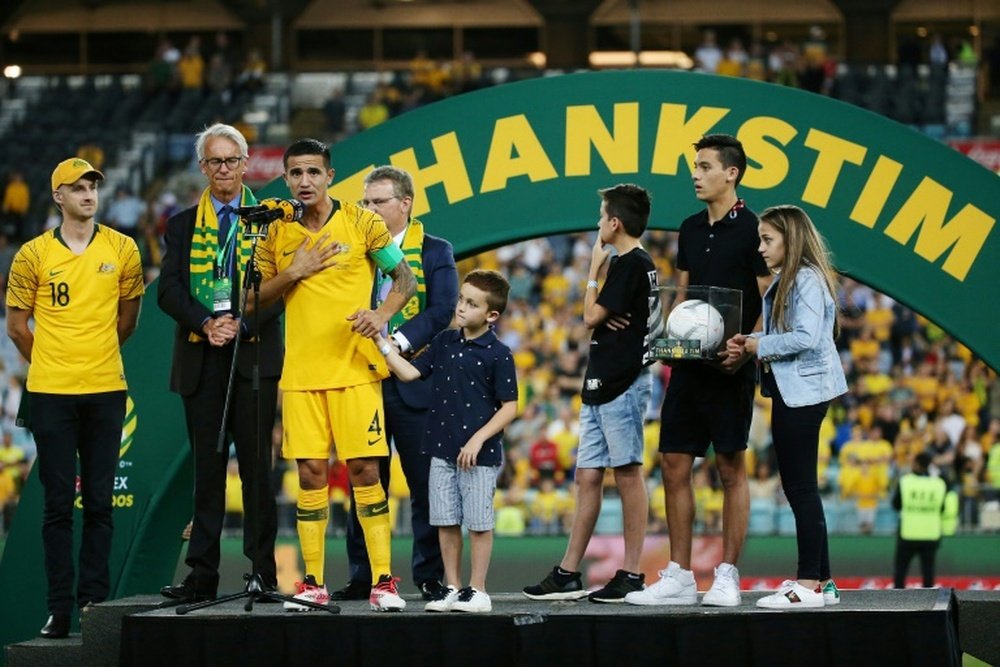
{"x":389,"y":192}
{"x":324,"y":268}
{"x":82,"y":282}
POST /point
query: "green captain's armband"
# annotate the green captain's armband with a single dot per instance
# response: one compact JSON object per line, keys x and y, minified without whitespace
{"x":388,"y":257}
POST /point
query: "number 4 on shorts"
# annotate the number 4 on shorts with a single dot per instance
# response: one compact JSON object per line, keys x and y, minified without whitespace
{"x":375,"y":427}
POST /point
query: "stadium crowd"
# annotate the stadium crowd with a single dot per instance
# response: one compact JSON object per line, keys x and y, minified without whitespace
{"x":912,"y":387}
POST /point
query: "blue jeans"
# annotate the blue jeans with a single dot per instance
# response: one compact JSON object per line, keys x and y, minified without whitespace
{"x":611,"y":433}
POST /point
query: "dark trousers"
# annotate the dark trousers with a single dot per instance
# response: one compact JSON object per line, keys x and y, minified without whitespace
{"x":203,"y":411}
{"x":405,"y":428}
{"x":795,"y":434}
{"x":905,"y":551}
{"x":66,"y":426}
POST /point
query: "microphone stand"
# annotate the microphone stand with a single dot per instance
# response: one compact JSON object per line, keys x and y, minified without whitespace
{"x":254,"y":591}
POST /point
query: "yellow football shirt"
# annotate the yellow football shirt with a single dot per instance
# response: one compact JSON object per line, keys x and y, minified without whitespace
{"x":321,"y":351}
{"x":74,"y":299}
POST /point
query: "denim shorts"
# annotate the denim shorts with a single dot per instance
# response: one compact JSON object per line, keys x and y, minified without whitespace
{"x":462,"y":497}
{"x":611,"y":433}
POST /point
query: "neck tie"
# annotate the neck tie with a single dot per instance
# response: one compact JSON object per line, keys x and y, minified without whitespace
{"x":225,"y":221}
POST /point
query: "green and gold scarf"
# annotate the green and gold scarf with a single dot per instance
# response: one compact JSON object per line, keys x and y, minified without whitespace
{"x":413,"y":246}
{"x":205,"y":247}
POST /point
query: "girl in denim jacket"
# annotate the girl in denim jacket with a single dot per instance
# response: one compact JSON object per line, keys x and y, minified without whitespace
{"x":801,"y":371}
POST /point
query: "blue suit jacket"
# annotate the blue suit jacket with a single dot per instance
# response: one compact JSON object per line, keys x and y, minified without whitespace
{"x":441,"y":279}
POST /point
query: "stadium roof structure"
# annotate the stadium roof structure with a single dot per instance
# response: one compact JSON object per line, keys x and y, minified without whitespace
{"x":322,"y":14}
{"x":616,"y":12}
{"x":952,"y":10}
{"x":60,"y":16}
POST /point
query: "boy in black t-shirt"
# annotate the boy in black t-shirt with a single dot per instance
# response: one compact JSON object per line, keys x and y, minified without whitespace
{"x":616,"y":389}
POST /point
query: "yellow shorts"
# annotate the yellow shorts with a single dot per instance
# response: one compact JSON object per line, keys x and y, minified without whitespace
{"x":349,"y":419}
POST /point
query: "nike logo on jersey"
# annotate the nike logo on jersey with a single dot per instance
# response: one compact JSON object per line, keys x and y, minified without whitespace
{"x":372,"y":442}
{"x":287,"y":253}
{"x":56,"y":273}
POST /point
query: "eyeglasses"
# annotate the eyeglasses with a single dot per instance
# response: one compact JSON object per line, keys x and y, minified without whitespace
{"x":217,"y":162}
{"x":365,"y":203}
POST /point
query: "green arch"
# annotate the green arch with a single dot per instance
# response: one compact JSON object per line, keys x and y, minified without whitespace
{"x":903,"y":213}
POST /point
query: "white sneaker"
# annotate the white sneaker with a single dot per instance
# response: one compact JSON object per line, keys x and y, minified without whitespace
{"x":675,"y":586}
{"x":311,"y":592}
{"x":791,"y":595}
{"x":470,"y":600}
{"x":725,"y":590}
{"x":831,"y":594}
{"x":445,"y":599}
{"x":384,"y":596}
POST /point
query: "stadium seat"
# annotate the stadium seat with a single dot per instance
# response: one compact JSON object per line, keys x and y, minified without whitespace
{"x":762,"y":516}
{"x":989,"y":516}
{"x":609,"y":521}
{"x":886,"y":520}
{"x":847,"y":518}
{"x":830,"y":508}
{"x":786,"y":520}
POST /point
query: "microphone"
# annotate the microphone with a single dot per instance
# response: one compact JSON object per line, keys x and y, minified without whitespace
{"x":268,"y":210}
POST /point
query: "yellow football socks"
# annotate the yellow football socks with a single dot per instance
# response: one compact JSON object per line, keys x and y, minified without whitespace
{"x":311,"y":517}
{"x":373,"y":514}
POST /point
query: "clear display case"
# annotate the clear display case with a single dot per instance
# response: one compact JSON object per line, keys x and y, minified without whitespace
{"x":698,"y":326}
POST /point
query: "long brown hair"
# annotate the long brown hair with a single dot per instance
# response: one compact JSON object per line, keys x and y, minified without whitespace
{"x":804,"y":246}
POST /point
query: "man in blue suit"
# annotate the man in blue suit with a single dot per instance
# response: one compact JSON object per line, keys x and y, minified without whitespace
{"x":389,"y":192}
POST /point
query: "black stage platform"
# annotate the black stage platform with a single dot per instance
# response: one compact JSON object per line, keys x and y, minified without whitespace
{"x":881,"y":628}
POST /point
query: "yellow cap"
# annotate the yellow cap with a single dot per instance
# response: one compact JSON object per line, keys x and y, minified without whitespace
{"x":72,"y":170}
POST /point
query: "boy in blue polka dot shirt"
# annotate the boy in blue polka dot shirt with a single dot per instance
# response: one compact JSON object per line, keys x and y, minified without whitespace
{"x":474,"y":397}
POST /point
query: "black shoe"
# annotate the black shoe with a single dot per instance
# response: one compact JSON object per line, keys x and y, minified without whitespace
{"x":432,"y":589}
{"x":621,"y":584}
{"x":354,"y":590}
{"x":187,"y":591}
{"x":558,"y":585}
{"x":57,"y":627}
{"x":268,"y":588}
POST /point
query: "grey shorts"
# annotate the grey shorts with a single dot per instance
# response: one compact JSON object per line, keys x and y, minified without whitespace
{"x":462,"y":498}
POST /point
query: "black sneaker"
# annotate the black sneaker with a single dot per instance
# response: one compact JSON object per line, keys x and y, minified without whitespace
{"x":354,"y":590}
{"x":432,"y":589}
{"x":558,"y":585}
{"x":620,"y":585}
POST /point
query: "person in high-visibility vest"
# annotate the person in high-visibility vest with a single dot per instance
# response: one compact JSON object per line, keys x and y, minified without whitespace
{"x":920,"y":501}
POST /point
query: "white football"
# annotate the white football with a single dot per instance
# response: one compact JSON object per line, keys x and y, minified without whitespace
{"x":695,"y":319}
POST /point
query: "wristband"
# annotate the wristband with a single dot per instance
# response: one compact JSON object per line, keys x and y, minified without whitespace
{"x":385,"y":350}
{"x":591,"y":284}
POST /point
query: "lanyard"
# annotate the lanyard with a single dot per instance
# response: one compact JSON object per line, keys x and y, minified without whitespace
{"x":227,"y":251}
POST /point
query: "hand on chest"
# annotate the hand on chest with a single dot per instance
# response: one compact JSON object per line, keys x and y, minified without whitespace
{"x":348,"y":253}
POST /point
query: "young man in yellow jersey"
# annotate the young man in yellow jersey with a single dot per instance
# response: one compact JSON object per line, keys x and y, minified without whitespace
{"x":324,"y":268}
{"x":82,"y":282}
